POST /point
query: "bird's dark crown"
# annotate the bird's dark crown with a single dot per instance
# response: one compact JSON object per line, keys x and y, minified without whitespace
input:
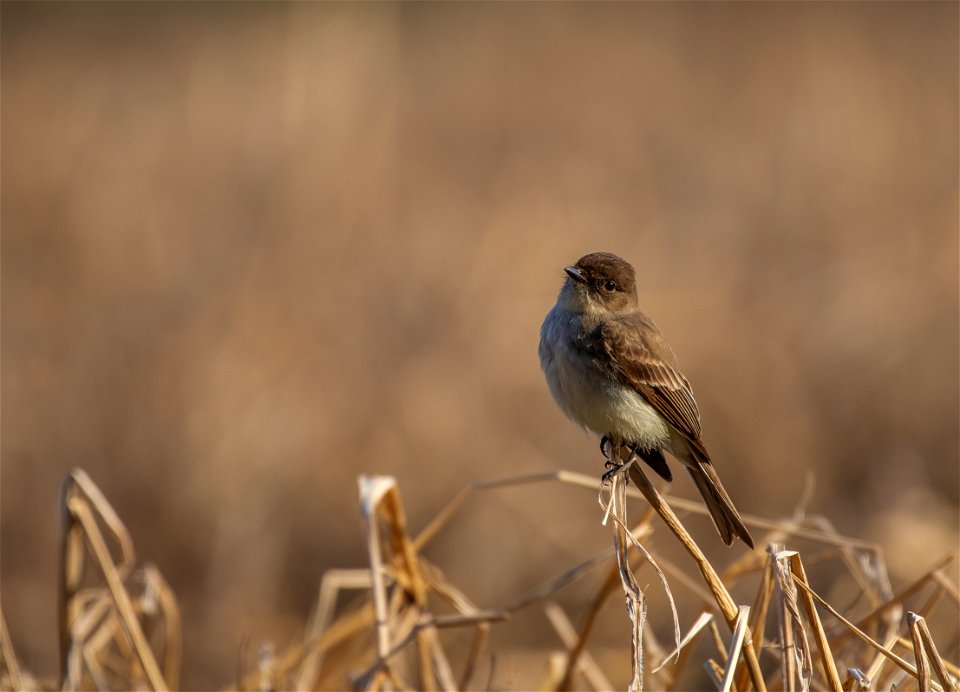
{"x":604,"y":272}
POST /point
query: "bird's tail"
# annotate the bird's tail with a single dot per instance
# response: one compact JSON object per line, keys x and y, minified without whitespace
{"x":724,"y":514}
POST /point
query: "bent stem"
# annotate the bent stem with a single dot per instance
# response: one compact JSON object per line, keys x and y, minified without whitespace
{"x":724,"y":601}
{"x":636,"y":602}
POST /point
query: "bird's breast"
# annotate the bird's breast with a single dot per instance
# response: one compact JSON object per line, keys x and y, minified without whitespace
{"x":585,"y":390}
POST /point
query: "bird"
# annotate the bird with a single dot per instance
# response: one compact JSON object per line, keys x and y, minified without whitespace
{"x":611,"y":371}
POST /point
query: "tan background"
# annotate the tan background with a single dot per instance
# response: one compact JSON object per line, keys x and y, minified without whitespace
{"x":251,"y":251}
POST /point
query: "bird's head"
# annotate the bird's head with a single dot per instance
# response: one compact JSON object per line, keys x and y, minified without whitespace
{"x":599,"y":283}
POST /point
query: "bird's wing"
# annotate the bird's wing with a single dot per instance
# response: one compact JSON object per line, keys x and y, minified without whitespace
{"x":642,"y":359}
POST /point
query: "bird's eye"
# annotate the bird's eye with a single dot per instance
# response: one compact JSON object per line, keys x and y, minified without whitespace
{"x":609,"y":286}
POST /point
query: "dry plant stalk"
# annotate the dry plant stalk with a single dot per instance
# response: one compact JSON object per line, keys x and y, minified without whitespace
{"x":9,"y":666}
{"x":396,"y":619}
{"x":609,"y":584}
{"x":98,"y":623}
{"x":635,"y":600}
{"x":615,"y":508}
{"x":120,"y":625}
{"x":794,"y":649}
{"x":826,"y":656}
{"x":400,"y":582}
{"x":924,"y":646}
{"x":584,"y":661}
{"x":733,"y":655}
{"x":725,"y":602}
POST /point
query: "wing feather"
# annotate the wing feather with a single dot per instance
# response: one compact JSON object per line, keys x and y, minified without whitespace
{"x":639,"y":357}
{"x":642,"y":359}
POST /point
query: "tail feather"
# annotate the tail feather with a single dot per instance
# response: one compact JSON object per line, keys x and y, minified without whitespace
{"x":695,"y":460}
{"x":724,"y":514}
{"x":655,"y":460}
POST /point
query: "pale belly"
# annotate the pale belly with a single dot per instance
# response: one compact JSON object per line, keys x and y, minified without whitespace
{"x":592,"y":399}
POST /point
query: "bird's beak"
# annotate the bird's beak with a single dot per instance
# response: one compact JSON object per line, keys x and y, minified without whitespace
{"x":575,"y":274}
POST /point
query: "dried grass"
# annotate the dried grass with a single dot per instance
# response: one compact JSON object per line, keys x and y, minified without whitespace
{"x":120,"y":624}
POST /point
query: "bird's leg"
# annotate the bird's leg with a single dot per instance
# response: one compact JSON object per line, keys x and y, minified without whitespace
{"x":612,"y":465}
{"x":607,"y":448}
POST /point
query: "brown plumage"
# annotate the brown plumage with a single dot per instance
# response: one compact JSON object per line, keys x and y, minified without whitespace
{"x":596,"y":334}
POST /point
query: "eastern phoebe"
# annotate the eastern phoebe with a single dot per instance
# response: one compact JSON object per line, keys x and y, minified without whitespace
{"x":611,"y":371}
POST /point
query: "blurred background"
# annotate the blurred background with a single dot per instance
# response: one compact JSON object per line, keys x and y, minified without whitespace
{"x":251,"y":251}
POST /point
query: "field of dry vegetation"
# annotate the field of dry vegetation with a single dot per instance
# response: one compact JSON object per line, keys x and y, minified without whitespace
{"x":272,"y":279}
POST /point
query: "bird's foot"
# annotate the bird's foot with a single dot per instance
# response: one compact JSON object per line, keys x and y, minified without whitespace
{"x":612,"y":469}
{"x":612,"y":466}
